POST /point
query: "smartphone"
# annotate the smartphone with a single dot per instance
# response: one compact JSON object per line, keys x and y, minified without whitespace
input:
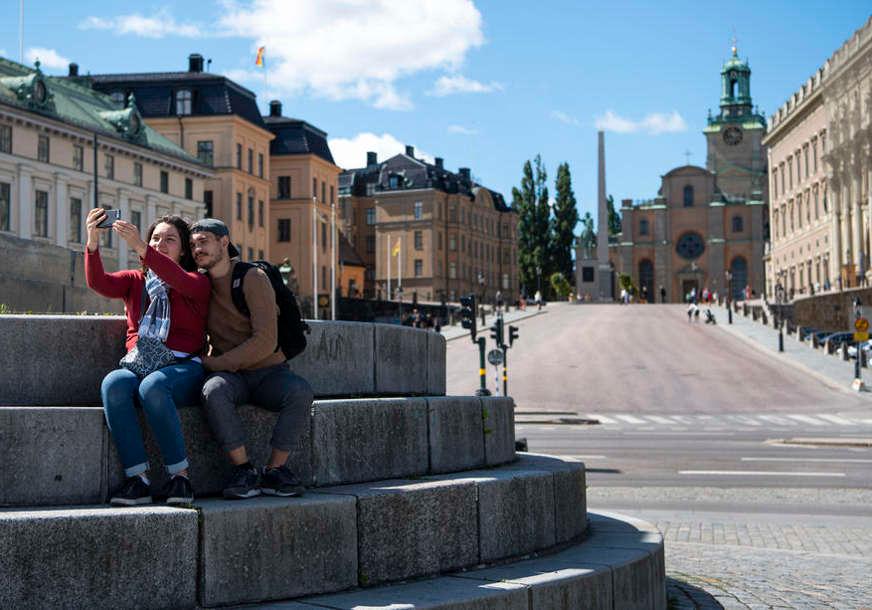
{"x":111,"y":217}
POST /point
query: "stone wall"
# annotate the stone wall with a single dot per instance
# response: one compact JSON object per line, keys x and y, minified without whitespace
{"x":40,"y":277}
{"x":832,"y":311}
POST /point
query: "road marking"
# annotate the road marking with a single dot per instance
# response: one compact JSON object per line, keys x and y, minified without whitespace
{"x":742,"y":419}
{"x":761,"y":473}
{"x":660,"y":419}
{"x":805,"y":459}
{"x":582,"y":457}
{"x":774,"y":419}
{"x":836,"y":419}
{"x":630,"y":419}
{"x":807,"y":420}
{"x":602,"y":418}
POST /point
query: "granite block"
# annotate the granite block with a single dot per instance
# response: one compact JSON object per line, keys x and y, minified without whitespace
{"x":276,"y":548}
{"x":52,"y":455}
{"x":499,"y":429}
{"x":369,"y":439}
{"x":456,"y":433}
{"x":436,"y":364}
{"x":408,"y":529}
{"x":98,"y":558}
{"x":338,"y":359}
{"x":400,"y":360}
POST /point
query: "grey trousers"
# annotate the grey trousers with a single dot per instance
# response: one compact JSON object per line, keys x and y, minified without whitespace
{"x":274,"y":388}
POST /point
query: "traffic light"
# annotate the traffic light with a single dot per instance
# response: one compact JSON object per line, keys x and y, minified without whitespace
{"x":467,"y":314}
{"x":513,"y":334}
{"x":497,"y":332}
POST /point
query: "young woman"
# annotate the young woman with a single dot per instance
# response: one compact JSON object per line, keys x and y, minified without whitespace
{"x":176,"y":303}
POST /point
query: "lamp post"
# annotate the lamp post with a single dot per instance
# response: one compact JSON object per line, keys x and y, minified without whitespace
{"x":314,"y":257}
{"x":779,"y":320}
{"x":729,"y":277}
{"x":858,"y":313}
{"x":481,"y":296}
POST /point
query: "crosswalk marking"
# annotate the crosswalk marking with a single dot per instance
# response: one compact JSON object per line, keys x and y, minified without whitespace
{"x":835,"y":419}
{"x":808,"y":420}
{"x":727,"y":421}
{"x":631,"y":419}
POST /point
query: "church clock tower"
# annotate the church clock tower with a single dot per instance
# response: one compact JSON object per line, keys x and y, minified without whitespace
{"x":734,"y":135}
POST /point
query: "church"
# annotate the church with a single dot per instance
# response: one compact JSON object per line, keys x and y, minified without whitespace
{"x":707,"y":226}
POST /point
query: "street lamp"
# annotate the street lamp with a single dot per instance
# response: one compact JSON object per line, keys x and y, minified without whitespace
{"x":779,"y":320}
{"x":729,"y":277}
{"x":481,"y":296}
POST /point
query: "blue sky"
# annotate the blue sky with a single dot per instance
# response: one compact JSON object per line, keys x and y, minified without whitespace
{"x":484,"y":84}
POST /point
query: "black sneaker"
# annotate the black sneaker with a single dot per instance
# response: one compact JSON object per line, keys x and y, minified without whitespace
{"x":244,"y":483}
{"x":132,"y":492}
{"x":280,"y":482}
{"x":178,"y":491}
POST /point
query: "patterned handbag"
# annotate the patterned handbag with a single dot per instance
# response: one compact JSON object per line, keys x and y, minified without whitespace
{"x":149,"y":354}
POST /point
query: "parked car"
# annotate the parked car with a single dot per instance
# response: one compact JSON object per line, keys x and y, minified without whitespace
{"x":866,"y":346}
{"x":805,"y":332}
{"x":823,"y":334}
{"x":839,"y":339}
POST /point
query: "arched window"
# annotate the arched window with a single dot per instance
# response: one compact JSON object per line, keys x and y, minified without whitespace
{"x":739,"y":277}
{"x":183,"y":102}
{"x":646,"y":279}
{"x":738,"y":224}
{"x":733,"y":85}
{"x":688,"y":196}
{"x":643,"y":227}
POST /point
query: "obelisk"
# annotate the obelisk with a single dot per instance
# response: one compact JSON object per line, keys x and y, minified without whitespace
{"x":604,"y":269}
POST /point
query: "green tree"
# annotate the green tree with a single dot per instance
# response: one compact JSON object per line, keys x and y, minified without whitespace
{"x":531,"y":202}
{"x":563,"y":223}
{"x":560,"y":285}
{"x":614,"y":217}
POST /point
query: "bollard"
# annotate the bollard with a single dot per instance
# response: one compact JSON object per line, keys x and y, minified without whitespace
{"x":845,"y":352}
{"x":829,"y":348}
{"x":780,"y":340}
{"x":764,"y":318}
{"x":814,"y":341}
{"x":861,"y":353}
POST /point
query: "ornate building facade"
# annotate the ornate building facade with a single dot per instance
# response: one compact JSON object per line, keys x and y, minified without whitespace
{"x":707,"y":226}
{"x":821,"y":144}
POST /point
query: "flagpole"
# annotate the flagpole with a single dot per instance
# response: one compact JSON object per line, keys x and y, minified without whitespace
{"x":333,"y":261}
{"x":400,"y":265}
{"x":314,"y":260}
{"x":388,"y":298}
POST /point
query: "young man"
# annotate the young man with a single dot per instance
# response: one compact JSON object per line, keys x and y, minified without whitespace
{"x":245,"y":365}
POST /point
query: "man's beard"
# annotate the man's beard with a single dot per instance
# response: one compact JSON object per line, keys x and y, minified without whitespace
{"x":213,"y":261}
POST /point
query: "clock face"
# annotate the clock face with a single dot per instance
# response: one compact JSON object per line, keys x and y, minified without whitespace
{"x":732,"y":135}
{"x":690,"y":246}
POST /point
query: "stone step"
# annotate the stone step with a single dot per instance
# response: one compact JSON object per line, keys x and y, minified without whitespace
{"x":342,"y":359}
{"x":620,"y":564}
{"x":65,"y":455}
{"x":332,"y":539}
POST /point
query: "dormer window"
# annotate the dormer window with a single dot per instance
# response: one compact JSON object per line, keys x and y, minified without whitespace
{"x":183,"y":102}
{"x":394,"y":182}
{"x":118,"y":97}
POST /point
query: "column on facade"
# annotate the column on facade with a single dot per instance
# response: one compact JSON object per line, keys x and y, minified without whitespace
{"x":61,"y":210}
{"x":857,"y":226}
{"x":25,"y":206}
{"x":845,"y":219}
{"x":150,"y":210}
{"x":835,"y":261}
{"x":124,"y":206}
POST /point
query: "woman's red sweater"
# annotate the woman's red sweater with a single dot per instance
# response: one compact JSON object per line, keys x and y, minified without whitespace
{"x":189,"y":294}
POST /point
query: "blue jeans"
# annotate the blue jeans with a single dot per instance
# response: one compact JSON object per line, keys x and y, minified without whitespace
{"x":158,"y":394}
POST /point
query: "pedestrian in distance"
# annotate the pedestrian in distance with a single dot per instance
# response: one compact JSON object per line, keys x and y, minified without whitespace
{"x":245,"y":366}
{"x":662,"y":294}
{"x":166,"y":303}
{"x":644,"y":294}
{"x":538,"y":299}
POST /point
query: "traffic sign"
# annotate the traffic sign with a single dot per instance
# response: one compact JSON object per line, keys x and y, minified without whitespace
{"x":495,"y":357}
{"x":861,"y":324}
{"x":858,"y":336}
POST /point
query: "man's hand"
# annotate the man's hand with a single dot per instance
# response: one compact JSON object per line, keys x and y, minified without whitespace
{"x":129,"y":233}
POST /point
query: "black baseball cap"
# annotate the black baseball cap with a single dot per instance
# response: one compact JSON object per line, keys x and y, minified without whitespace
{"x":217,"y":228}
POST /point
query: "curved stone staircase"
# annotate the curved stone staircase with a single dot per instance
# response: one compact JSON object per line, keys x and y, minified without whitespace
{"x":417,"y":499}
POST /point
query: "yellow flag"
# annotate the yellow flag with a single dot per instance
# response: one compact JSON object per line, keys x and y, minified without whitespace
{"x":396,"y":249}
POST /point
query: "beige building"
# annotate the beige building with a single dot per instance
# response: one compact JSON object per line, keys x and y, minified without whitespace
{"x":435,"y":233}
{"x":707,"y":227}
{"x":819,"y":143}
{"x":48,"y":131}
{"x":303,"y":198}
{"x":217,"y":121}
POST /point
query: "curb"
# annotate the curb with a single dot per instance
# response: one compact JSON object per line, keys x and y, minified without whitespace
{"x":827,"y":441}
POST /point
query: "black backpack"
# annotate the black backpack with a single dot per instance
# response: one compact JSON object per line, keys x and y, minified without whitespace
{"x":291,"y":328}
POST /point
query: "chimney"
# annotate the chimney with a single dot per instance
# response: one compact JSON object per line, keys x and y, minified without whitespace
{"x":74,"y":69}
{"x":275,"y":108}
{"x":371,"y":158}
{"x":465,"y":173}
{"x":440,"y":162}
{"x":195,"y":62}
{"x":410,"y":151}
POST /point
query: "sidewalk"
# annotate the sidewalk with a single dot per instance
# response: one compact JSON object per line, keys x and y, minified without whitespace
{"x":830,"y":369}
{"x":457,"y":331}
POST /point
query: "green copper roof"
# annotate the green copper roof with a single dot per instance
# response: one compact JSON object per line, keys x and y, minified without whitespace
{"x":734,"y":63}
{"x":77,"y":104}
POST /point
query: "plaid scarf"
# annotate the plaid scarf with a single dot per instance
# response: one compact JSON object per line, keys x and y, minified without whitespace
{"x":156,"y":321}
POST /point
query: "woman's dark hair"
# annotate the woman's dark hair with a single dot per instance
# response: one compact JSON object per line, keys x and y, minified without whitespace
{"x":186,"y":261}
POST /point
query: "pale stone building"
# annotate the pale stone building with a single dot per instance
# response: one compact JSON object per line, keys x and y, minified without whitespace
{"x":49,"y":128}
{"x":446,"y":234}
{"x":707,"y":226}
{"x":821,"y":141}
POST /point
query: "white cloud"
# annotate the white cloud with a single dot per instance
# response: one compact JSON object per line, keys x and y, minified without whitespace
{"x":449,"y":85}
{"x":48,"y":58}
{"x":461,"y":130}
{"x":565,"y":118}
{"x":351,"y":152}
{"x":355,"y":49}
{"x":654,"y":123}
{"x":159,"y":25}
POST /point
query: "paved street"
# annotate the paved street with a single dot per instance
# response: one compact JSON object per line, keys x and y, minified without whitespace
{"x":756,"y":471}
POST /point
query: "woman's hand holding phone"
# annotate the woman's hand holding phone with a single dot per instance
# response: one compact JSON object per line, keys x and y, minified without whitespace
{"x":129,"y":233}
{"x":94,"y":218}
